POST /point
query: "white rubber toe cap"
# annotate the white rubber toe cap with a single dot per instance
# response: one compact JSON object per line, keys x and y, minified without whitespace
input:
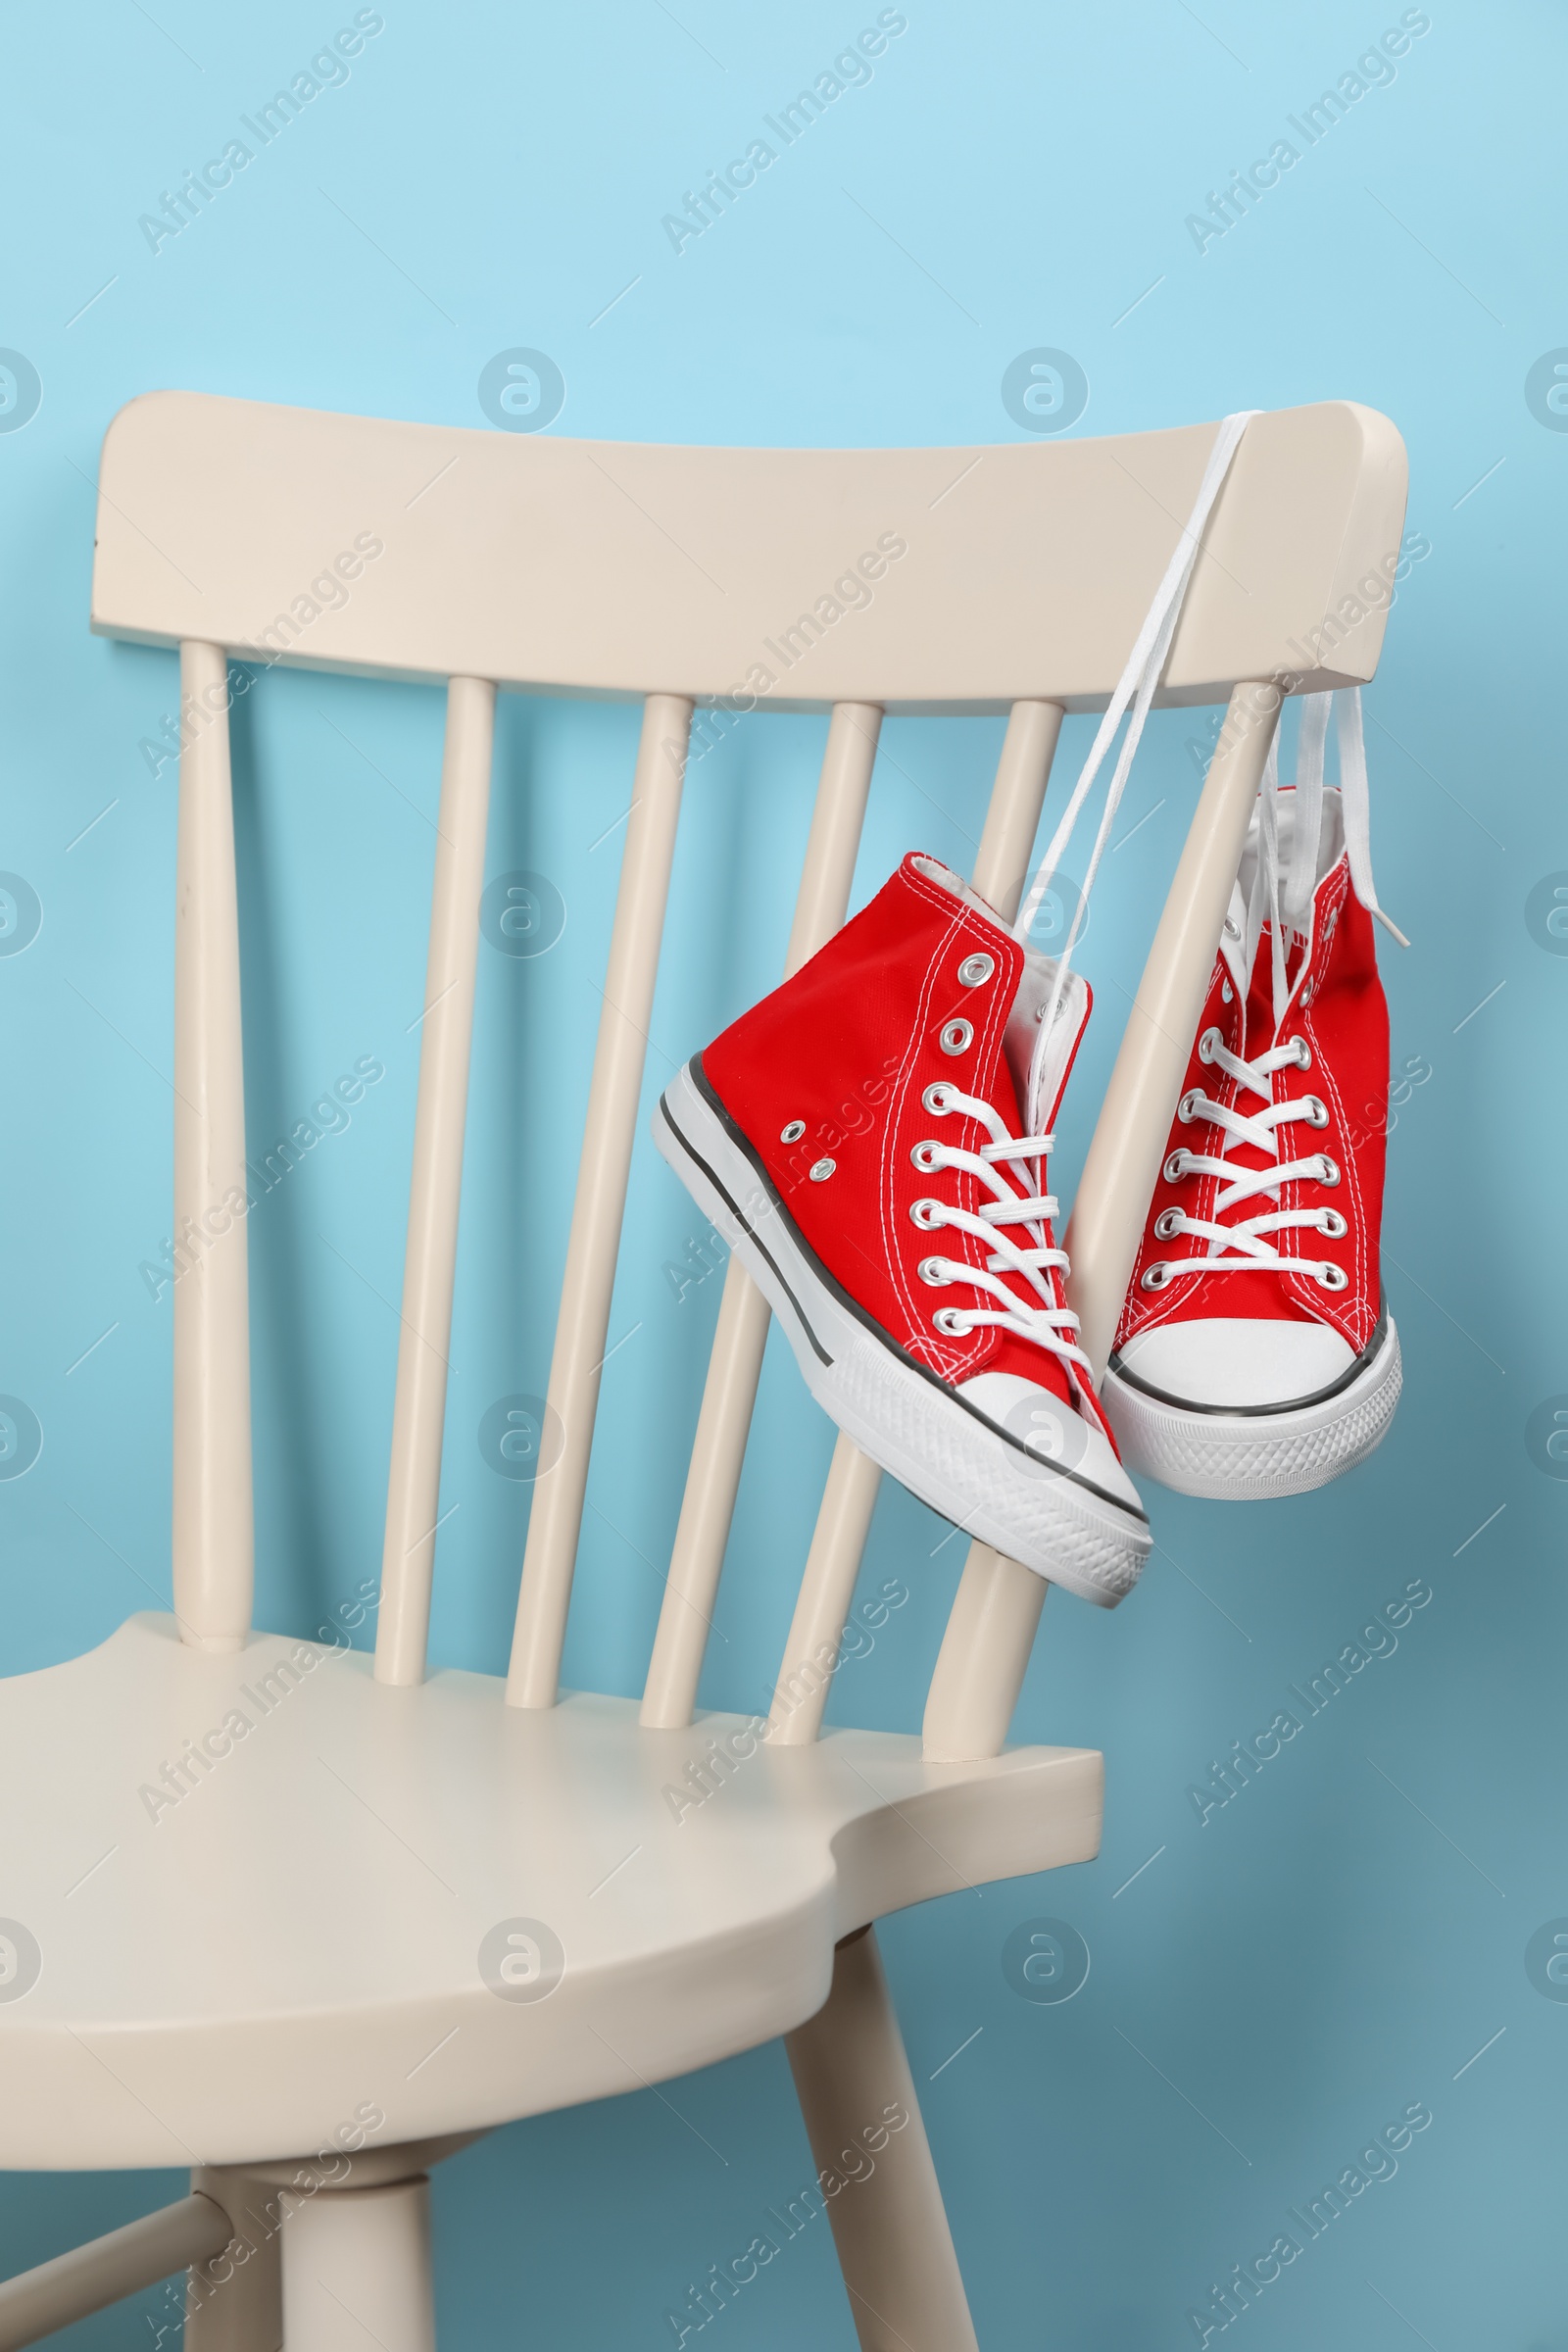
{"x":1053,"y":1431}
{"x":1227,"y":1363}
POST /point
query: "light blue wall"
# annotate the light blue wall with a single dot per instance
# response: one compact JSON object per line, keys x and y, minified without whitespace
{"x":1283,"y":1980}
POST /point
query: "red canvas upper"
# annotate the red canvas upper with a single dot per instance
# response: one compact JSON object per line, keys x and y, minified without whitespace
{"x":1336,"y":1003}
{"x":850,"y":1045}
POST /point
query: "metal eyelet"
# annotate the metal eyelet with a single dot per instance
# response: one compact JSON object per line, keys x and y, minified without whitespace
{"x":1317,"y":1112}
{"x":1207,"y":1044}
{"x":822,"y":1170}
{"x":956,"y":1037}
{"x":1333,"y":1278}
{"x":1327,"y":1170}
{"x":975,"y":970}
{"x":1233,"y":929}
{"x":1189,"y":1103}
{"x":926,"y":1214}
{"x":934,"y":1270}
{"x":1330,"y":1221}
{"x":1154,"y":1278}
{"x":793,"y":1133}
{"x":946,"y":1321}
{"x":924,"y":1157}
{"x":1166,"y":1224}
{"x":938,"y":1099}
{"x":1176,"y":1167}
{"x":1304,"y":1052}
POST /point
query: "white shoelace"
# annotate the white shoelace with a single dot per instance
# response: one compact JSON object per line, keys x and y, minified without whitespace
{"x":1242,"y":1246}
{"x":1048,"y":1322}
{"x":1136,"y":687}
{"x":1016,"y":1202}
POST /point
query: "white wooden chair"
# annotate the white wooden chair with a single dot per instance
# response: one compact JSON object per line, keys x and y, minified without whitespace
{"x":379,"y":1926}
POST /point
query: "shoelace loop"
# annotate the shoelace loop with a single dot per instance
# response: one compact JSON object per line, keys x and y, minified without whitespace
{"x":1045,"y":1320}
{"x":1240,"y":1247}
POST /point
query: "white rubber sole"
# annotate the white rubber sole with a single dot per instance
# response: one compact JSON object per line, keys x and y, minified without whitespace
{"x":912,"y":1425}
{"x":1244,"y":1458}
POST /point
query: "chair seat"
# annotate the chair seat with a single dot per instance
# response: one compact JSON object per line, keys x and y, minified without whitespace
{"x":248,"y":1956}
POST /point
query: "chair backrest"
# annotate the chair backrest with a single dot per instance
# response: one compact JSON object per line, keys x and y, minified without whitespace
{"x":852,"y":581}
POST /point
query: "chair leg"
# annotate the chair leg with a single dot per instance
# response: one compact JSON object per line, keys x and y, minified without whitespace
{"x":889,"y":2226}
{"x":357,"y":2270}
{"x":234,"y":2303}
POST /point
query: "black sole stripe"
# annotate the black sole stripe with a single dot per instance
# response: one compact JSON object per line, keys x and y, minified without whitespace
{"x":1259,"y":1413}
{"x":746,"y":1226}
{"x":851,"y":1306}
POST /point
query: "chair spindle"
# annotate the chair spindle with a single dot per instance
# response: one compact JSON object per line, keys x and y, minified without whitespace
{"x":214,"y":1520}
{"x":735,"y":1364}
{"x":418,"y":1413}
{"x":583,"y":1322}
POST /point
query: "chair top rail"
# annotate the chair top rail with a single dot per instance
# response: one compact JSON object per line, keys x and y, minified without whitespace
{"x":927,"y":580}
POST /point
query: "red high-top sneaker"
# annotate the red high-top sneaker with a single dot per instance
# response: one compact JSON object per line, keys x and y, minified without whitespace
{"x":871,"y":1139}
{"x":1255,"y":1354}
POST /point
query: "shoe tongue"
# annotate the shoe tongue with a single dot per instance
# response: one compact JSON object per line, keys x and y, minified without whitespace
{"x":1040,"y":1062}
{"x":1256,"y":986}
{"x":1251,"y":904}
{"x":1231,"y":938}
